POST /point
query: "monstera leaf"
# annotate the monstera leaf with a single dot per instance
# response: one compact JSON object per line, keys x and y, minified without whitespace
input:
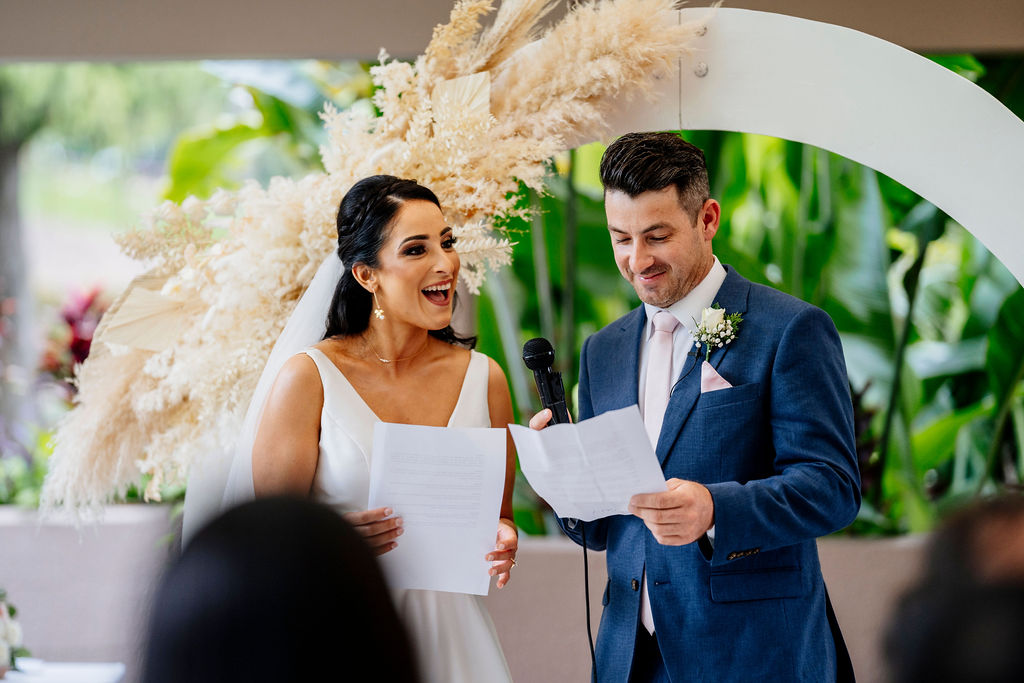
{"x":1005,"y":356}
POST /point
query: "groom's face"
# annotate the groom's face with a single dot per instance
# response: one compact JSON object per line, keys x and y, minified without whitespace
{"x":661,"y":249}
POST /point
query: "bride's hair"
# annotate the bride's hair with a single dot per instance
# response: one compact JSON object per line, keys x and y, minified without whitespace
{"x":364,"y":224}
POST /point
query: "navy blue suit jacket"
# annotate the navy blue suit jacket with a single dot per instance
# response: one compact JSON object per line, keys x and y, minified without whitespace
{"x":777,"y":453}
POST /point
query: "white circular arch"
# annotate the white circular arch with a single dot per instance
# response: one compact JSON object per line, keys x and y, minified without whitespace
{"x":871,"y":101}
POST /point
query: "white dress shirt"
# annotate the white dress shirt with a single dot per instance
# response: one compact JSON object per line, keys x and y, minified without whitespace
{"x":688,"y":312}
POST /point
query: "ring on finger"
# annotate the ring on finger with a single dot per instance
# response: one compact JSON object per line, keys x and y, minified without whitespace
{"x":513,"y":562}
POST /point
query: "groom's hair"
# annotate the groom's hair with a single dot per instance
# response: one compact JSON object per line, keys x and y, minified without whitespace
{"x":642,"y":162}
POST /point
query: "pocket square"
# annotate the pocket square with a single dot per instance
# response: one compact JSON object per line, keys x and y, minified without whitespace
{"x":710,"y":380}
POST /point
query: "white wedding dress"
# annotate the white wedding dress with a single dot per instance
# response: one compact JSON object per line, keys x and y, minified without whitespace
{"x":452,"y":633}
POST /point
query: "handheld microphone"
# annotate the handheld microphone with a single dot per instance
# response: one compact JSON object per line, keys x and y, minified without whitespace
{"x":539,"y":356}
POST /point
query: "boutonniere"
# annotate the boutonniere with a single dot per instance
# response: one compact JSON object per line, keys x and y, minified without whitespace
{"x":715,"y":329}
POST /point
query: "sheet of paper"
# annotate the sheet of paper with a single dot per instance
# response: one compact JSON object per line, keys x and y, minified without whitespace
{"x":446,"y":485}
{"x":591,"y":469}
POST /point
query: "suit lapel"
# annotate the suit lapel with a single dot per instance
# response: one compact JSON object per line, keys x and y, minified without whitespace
{"x":634,"y":330}
{"x":623,"y":372}
{"x":732,"y":296}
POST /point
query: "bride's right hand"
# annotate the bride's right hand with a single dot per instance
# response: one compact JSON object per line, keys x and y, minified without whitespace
{"x":377,"y":527}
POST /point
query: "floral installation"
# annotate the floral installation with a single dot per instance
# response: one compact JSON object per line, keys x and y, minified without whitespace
{"x":176,"y":358}
{"x":11,"y":646}
{"x":715,"y":329}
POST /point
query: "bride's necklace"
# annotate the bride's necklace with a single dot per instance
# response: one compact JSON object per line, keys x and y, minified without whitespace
{"x":395,"y":360}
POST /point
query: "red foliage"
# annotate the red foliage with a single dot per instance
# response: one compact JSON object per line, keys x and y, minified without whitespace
{"x":68,"y":344}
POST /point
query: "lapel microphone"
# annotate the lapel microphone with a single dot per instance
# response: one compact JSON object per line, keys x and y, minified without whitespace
{"x":539,"y":356}
{"x":691,"y":354}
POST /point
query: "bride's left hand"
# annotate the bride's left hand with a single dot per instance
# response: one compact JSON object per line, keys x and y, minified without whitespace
{"x":505,"y":548}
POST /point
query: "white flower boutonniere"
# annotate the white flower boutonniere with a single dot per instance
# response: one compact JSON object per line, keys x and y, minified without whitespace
{"x":715,"y":329}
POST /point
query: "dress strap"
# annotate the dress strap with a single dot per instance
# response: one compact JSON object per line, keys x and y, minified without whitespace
{"x":343,"y":406}
{"x":340,"y":397}
{"x":472,"y":409}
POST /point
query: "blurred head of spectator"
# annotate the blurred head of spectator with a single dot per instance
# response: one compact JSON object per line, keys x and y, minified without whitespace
{"x":964,"y":620}
{"x":277,"y":589}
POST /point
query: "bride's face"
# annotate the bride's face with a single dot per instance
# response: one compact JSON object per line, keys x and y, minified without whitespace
{"x":418,"y":267}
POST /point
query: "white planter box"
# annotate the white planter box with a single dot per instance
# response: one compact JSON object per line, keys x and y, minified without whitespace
{"x":83,"y":594}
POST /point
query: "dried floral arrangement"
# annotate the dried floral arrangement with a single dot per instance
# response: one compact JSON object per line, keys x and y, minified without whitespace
{"x":177,"y":356}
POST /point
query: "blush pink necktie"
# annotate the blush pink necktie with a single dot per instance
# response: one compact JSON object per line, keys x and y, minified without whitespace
{"x":659,"y":374}
{"x":656,"y":394}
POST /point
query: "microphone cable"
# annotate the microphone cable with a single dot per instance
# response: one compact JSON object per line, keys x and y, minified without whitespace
{"x":539,"y":356}
{"x":586,"y":589}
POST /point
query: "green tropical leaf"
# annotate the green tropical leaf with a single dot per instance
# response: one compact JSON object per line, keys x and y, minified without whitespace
{"x":1004,"y":78}
{"x":967,"y":66}
{"x":1017,"y":415}
{"x":586,"y":171}
{"x":969,"y":464}
{"x":853,"y":282}
{"x":1004,"y":358}
{"x":925,"y":221}
{"x":1005,"y":364}
{"x":197,"y":163}
{"x":931,"y":359}
{"x":301,"y":127}
{"x":505,"y":296}
{"x":936,"y":443}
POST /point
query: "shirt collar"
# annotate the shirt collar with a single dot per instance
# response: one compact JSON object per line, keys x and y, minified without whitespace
{"x":689,"y":308}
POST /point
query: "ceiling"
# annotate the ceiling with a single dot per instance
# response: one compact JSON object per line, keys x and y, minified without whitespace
{"x":346,"y":29}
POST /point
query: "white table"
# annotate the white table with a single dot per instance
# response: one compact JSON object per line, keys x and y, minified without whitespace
{"x":38,"y":671}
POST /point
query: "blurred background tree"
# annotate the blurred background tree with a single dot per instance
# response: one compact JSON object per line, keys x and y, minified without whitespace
{"x":88,"y":124}
{"x":85,"y":150}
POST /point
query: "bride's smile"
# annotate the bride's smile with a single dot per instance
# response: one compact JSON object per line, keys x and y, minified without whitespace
{"x":440,"y":294}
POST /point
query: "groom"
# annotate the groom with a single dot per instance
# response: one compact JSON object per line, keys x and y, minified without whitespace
{"x":717,"y":578}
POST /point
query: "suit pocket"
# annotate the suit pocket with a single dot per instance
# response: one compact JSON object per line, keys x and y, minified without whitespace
{"x":730,"y":396}
{"x":756,"y":584}
{"x":728,"y":431}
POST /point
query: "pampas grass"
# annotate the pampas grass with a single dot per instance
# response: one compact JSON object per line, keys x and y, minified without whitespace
{"x":156,"y":412}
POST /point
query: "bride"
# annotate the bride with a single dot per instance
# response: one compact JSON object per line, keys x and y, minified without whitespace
{"x":388,"y":354}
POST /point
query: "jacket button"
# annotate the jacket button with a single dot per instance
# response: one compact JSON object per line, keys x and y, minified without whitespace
{"x":635,"y":584}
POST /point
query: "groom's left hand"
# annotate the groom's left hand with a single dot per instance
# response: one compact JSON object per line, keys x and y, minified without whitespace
{"x":678,"y":516}
{"x":503,"y":556}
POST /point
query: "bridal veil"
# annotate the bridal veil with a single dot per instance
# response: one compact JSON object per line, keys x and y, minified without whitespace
{"x":225,"y":479}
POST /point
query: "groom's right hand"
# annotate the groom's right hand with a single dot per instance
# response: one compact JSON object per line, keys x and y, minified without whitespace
{"x":377,"y":527}
{"x":541,"y":419}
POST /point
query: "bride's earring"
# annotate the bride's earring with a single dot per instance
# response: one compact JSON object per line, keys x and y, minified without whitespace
{"x":377,"y":310}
